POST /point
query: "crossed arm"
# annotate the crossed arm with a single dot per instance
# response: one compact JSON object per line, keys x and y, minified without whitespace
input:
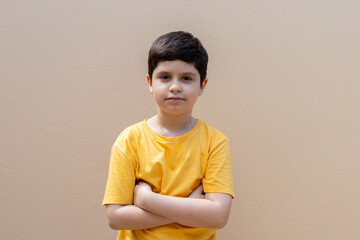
{"x":152,"y":210}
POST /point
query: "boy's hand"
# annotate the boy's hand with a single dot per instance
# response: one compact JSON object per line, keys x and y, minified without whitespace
{"x":198,"y":193}
{"x":141,"y":190}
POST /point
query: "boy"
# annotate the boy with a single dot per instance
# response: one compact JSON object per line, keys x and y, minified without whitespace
{"x":160,"y":167}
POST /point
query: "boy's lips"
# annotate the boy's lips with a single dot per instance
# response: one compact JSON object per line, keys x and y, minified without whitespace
{"x":174,"y":98}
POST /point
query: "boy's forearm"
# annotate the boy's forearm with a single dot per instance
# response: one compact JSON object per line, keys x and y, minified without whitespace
{"x":206,"y":213}
{"x":131,"y":217}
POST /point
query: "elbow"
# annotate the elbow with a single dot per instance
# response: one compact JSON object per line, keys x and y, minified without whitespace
{"x":221,"y":209}
{"x":115,"y":220}
{"x":221,"y":218}
{"x":117,"y":224}
{"x":116,"y":227}
{"x":220,"y":222}
{"x":114,"y":224}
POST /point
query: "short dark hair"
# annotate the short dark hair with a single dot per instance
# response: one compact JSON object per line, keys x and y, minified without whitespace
{"x":178,"y":46}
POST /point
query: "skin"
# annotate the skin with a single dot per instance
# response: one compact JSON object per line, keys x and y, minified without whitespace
{"x":132,"y":217}
{"x":175,"y":86}
{"x":211,"y":212}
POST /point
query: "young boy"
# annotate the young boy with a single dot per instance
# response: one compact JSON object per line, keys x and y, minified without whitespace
{"x":170,"y":175}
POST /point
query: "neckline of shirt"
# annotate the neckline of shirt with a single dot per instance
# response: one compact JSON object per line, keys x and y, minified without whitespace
{"x":172,"y":139}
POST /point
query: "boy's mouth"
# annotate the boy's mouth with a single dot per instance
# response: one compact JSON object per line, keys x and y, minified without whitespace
{"x":174,"y":99}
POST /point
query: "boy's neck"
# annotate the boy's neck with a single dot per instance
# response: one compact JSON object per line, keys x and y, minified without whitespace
{"x":172,"y":126}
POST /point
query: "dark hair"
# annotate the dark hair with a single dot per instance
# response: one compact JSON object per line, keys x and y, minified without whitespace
{"x":178,"y":46}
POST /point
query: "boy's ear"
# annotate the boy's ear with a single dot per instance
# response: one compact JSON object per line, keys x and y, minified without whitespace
{"x":202,"y":87}
{"x":149,"y":83}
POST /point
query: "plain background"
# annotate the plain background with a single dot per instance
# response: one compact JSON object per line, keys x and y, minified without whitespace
{"x":284,"y":84}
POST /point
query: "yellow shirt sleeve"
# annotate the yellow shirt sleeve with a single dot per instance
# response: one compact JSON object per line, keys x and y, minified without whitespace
{"x":218,"y":175}
{"x":121,"y":179}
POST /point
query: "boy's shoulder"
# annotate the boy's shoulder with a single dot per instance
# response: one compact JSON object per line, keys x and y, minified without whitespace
{"x":130,"y":133}
{"x":134,"y":128}
{"x":212,"y":132}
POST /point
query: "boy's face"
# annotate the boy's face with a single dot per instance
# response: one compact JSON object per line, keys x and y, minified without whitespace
{"x":176,"y":87}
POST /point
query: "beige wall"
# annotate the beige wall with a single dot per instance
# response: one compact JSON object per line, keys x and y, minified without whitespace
{"x":284,"y":83}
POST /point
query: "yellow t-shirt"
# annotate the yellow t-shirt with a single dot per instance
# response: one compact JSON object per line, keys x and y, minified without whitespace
{"x":172,"y":166}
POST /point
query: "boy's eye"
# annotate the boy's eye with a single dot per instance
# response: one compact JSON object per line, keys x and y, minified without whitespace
{"x":165,"y":77}
{"x":187,"y":78}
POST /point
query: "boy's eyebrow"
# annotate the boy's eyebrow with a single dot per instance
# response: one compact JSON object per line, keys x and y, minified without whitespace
{"x":185,"y":73}
{"x":163,"y":72}
{"x":190,"y":73}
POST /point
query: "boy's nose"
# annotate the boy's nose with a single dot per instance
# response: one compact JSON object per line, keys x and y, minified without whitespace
{"x":175,"y":87}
